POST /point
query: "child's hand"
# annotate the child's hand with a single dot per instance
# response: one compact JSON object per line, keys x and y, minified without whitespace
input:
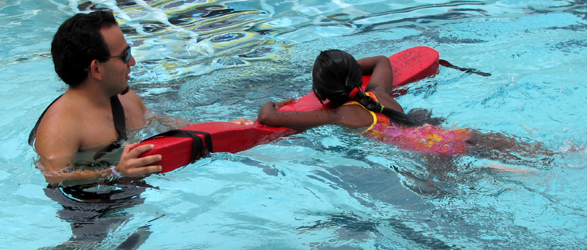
{"x":284,"y":102}
{"x":242,"y":121}
{"x":269,"y":112}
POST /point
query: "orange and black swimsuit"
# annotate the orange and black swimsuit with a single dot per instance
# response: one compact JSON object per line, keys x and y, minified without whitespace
{"x":379,"y":119}
{"x":426,"y":139}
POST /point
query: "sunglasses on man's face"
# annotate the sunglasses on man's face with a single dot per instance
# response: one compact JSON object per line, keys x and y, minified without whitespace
{"x":125,"y":55}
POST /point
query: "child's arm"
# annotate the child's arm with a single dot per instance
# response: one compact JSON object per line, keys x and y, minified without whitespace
{"x":381,"y":73}
{"x":269,"y":116}
{"x":351,"y":116}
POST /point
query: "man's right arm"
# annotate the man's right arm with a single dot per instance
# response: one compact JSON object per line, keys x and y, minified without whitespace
{"x":59,"y":170}
{"x":57,"y":142}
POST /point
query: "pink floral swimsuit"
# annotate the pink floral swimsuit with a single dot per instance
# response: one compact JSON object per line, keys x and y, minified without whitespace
{"x":426,"y":139}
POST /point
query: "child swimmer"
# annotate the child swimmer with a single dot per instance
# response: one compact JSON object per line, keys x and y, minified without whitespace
{"x":337,"y":77}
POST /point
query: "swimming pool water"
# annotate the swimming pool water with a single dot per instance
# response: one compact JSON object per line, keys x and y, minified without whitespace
{"x":322,"y":189}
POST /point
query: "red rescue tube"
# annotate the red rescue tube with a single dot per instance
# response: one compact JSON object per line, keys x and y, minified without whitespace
{"x":226,"y":137}
{"x":408,"y":66}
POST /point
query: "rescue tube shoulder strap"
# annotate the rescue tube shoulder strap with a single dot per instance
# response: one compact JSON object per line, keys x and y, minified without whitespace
{"x":466,"y":70}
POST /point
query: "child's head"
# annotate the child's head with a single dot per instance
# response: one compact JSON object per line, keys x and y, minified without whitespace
{"x":335,"y":74}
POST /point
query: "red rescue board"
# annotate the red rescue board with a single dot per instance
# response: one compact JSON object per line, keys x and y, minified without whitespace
{"x":408,"y":66}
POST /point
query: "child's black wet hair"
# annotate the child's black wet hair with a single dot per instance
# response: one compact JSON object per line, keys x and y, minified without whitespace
{"x":336,"y":74}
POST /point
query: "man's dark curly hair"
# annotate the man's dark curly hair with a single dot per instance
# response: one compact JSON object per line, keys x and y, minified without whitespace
{"x":77,"y":43}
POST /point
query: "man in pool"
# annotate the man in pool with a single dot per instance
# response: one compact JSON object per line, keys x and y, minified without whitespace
{"x":93,"y":58}
{"x":87,"y":125}
{"x":80,"y":137}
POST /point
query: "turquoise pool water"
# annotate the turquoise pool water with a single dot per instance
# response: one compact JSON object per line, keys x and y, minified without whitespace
{"x":323,"y":189}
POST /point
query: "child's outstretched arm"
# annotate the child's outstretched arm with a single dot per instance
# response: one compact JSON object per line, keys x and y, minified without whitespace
{"x":351,"y":116}
{"x":269,"y":116}
{"x":379,"y":68}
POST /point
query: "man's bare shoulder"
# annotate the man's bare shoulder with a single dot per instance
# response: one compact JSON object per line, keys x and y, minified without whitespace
{"x":131,"y":98}
{"x":58,"y":131}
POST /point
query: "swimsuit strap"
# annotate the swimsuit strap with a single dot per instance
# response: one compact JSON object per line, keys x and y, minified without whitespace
{"x":118,"y":117}
{"x":33,"y":133}
{"x":370,"y":94}
{"x":370,"y":112}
